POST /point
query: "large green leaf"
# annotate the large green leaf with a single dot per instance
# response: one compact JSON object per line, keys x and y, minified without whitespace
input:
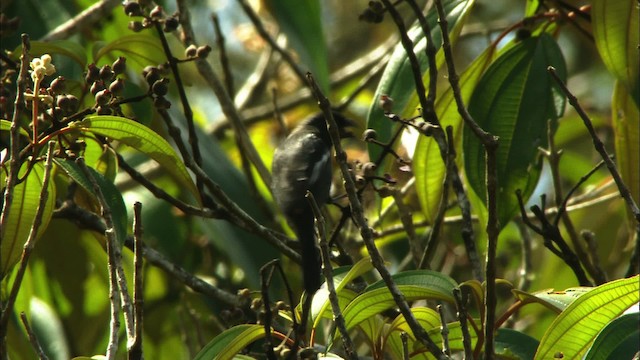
{"x":575,"y":329}
{"x":341,"y":277}
{"x":617,"y":339}
{"x":615,"y":31}
{"x":26,"y":197}
{"x":301,"y":22}
{"x":515,"y":100}
{"x":142,"y":139}
{"x":67,"y":48}
{"x":397,"y":79}
{"x":513,"y":343}
{"x":414,"y":285}
{"x":111,"y":194}
{"x":553,"y":300}
{"x":140,"y":49}
{"x":428,"y":166}
{"x":230,"y":342}
{"x":626,"y":128}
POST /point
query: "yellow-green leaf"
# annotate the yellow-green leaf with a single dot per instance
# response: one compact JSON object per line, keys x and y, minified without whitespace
{"x":575,"y":329}
{"x":142,"y":139}
{"x":26,"y":197}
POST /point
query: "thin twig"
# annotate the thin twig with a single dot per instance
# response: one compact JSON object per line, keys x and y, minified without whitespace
{"x":14,"y":151}
{"x":490,"y":144}
{"x":553,"y":155}
{"x":266,"y":274}
{"x":226,"y":102}
{"x":365,"y":231}
{"x":113,"y":259}
{"x":257,"y":23}
{"x":7,"y":309}
{"x":33,"y":339}
{"x":444,"y":331}
{"x":592,"y":247}
{"x":552,"y":238}
{"x":338,"y":318}
{"x":135,"y":344}
{"x":406,"y":218}
{"x":91,"y":15}
{"x":599,"y":146}
{"x":404,"y":337}
{"x":461,"y":298}
{"x":224,"y":59}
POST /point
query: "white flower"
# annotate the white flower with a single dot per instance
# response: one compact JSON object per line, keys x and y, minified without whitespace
{"x":41,"y":67}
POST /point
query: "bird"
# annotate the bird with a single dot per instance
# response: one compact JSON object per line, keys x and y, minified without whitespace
{"x":302,"y":163}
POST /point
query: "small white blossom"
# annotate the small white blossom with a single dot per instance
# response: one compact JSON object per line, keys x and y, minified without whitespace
{"x":41,"y":67}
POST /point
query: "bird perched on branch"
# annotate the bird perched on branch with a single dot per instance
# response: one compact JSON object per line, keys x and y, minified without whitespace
{"x":303,"y":162}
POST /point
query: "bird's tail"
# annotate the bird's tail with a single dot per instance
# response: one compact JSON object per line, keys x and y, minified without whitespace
{"x":311,"y":261}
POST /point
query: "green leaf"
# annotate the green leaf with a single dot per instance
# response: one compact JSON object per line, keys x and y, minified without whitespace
{"x":615,"y":31}
{"x":111,"y":194}
{"x":49,"y":329}
{"x":342,"y":276}
{"x":392,"y":342}
{"x":26,"y":197}
{"x":230,"y":342}
{"x":618,"y":339}
{"x":66,"y":48}
{"x":140,"y":49}
{"x":397,"y":79}
{"x":428,"y":279}
{"x":531,"y":7}
{"x":510,"y":342}
{"x":5,"y":125}
{"x":553,"y":300}
{"x":428,"y":166}
{"x":301,"y":22}
{"x":414,"y":285}
{"x":515,"y":100}
{"x":142,"y":139}
{"x":576,"y":328}
{"x":626,"y":129}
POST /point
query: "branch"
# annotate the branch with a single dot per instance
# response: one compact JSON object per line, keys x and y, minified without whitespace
{"x":365,"y":231}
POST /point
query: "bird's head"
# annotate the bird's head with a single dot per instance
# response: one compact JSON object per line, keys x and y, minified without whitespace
{"x":318,"y":121}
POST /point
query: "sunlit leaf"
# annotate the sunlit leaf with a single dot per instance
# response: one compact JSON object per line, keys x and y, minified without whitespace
{"x":553,"y":300}
{"x":6,"y":126}
{"x":342,"y":277}
{"x":414,"y":285}
{"x":142,"y":139}
{"x":615,"y":31}
{"x":626,"y":129}
{"x":618,"y":339}
{"x":26,"y":197}
{"x":575,"y":329}
{"x":516,"y":100}
{"x":230,"y":342}
{"x":397,"y":79}
{"x":428,"y":166}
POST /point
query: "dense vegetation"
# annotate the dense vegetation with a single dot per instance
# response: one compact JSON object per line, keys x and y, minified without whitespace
{"x":487,"y":205}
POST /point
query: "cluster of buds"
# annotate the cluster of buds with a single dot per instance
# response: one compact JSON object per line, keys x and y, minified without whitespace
{"x":106,"y":87}
{"x":197,"y":52}
{"x":364,"y":173}
{"x":156,"y":16}
{"x":158,"y":85}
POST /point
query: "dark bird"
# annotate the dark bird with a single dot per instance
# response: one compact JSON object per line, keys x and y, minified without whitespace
{"x":303,"y":162}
